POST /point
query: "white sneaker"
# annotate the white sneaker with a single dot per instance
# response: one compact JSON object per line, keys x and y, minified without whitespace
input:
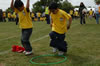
{"x":28,"y":53}
{"x":54,"y":50}
{"x":24,"y":52}
{"x":60,"y":53}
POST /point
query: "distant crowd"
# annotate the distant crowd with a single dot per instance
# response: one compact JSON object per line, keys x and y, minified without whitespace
{"x":41,"y":16}
{"x":75,"y":14}
{"x":12,"y":16}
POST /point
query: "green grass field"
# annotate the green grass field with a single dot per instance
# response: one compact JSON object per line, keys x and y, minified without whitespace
{"x":83,"y":44}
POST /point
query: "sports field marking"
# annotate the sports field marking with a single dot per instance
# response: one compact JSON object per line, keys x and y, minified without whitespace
{"x":7,"y":38}
{"x":40,"y":38}
{"x":5,"y":52}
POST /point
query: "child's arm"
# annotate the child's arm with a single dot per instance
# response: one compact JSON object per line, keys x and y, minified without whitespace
{"x":27,"y":5}
{"x":69,"y":19}
{"x":69,"y":24}
{"x":12,"y":2}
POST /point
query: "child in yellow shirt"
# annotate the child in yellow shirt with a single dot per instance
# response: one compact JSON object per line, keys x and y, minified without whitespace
{"x":4,"y":17}
{"x":32,"y":16}
{"x":59,"y":28}
{"x":38,"y":15}
{"x":90,"y":13}
{"x":25,"y":23}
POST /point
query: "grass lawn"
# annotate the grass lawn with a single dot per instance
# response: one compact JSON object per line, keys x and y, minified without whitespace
{"x":83,"y":44}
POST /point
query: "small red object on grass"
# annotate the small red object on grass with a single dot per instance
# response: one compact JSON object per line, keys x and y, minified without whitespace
{"x":16,"y":48}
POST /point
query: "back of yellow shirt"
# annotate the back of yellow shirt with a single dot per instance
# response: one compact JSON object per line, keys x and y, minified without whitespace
{"x":25,"y":20}
{"x":38,"y":14}
{"x":32,"y":15}
{"x":59,"y":20}
{"x":75,"y":13}
{"x":71,"y":12}
{"x":90,"y":13}
{"x":4,"y":14}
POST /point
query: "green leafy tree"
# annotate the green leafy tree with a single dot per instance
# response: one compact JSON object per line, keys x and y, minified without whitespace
{"x":97,"y":1}
{"x":9,"y":10}
{"x":40,"y":5}
{"x":66,"y":6}
{"x":47,"y":2}
{"x":37,"y":7}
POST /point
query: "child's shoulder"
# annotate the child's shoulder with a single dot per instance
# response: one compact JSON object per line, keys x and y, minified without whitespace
{"x":62,"y":11}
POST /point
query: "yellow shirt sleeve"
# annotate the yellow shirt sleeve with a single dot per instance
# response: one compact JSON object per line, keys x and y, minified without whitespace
{"x":66,"y":15}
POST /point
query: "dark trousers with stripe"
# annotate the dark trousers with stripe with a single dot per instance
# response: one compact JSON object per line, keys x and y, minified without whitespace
{"x":57,"y":41}
{"x":26,"y":33}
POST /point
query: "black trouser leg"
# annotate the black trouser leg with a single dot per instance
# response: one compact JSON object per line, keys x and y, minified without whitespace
{"x":57,"y":41}
{"x":26,"y":33}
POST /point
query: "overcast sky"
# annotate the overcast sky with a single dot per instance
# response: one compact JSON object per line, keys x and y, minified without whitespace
{"x":6,"y":3}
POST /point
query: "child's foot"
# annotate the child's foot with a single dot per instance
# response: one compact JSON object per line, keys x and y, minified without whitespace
{"x":24,"y":52}
{"x":28,"y":53}
{"x":60,"y":53}
{"x":54,"y":50}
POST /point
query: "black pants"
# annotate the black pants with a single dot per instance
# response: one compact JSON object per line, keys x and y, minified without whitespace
{"x":47,"y":18}
{"x":26,"y":33}
{"x":57,"y":41}
{"x":82,"y":19}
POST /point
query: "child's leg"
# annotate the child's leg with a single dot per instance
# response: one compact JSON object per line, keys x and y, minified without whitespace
{"x":53,"y":41}
{"x":97,"y":18}
{"x":81,"y":20}
{"x":52,"y":35}
{"x":57,"y":41}
{"x":84,"y":19}
{"x":26,"y":33}
{"x":61,"y":44}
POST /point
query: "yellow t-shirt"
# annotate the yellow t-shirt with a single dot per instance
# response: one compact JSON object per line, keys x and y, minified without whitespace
{"x":59,"y":20}
{"x":4,"y":14}
{"x":71,"y":12}
{"x":25,"y":20}
{"x":38,"y":14}
{"x":90,"y":12}
{"x":9,"y":15}
{"x":75,"y":13}
{"x":32,"y":15}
